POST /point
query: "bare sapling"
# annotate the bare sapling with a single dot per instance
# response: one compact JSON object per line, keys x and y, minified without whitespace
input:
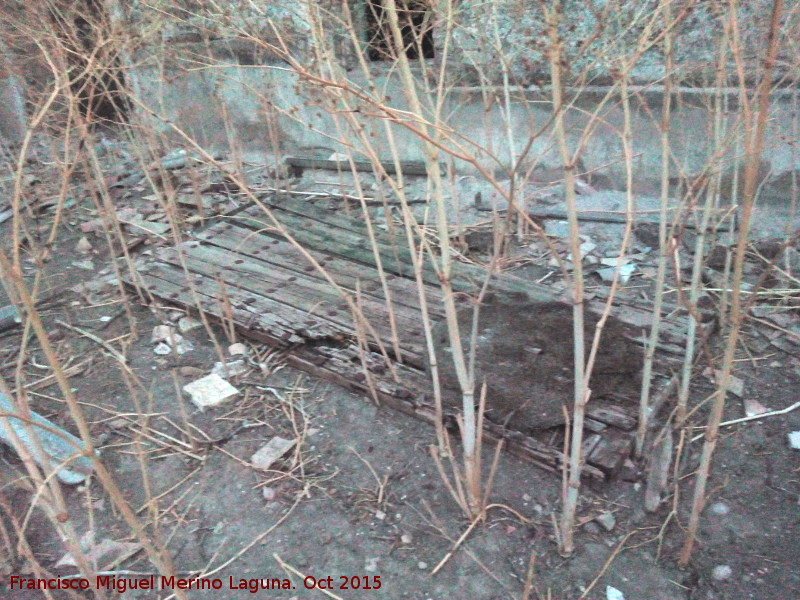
{"x":754,"y":130}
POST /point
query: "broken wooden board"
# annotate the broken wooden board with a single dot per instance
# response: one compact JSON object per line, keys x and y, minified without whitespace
{"x":305,"y":162}
{"x":719,"y":217}
{"x":348,"y":310}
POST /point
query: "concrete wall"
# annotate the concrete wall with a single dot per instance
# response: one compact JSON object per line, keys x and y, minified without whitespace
{"x":248,"y":98}
{"x":268,"y":105}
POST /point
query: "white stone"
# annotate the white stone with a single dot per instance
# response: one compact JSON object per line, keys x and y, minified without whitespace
{"x":720,"y":508}
{"x":625,"y":273}
{"x":753,"y":407}
{"x":371,"y":564}
{"x":211,"y":390}
{"x":271,"y":452}
{"x":613,"y":593}
{"x":161,"y":333}
{"x":722,"y":572}
{"x":237,"y":349}
{"x":83,"y":246}
{"x":234,"y":367}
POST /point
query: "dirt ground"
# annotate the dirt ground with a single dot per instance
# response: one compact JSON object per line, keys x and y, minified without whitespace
{"x":359,"y":496}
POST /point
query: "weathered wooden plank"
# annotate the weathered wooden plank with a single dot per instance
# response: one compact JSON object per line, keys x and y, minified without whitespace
{"x":276,"y":296}
{"x":348,"y":246}
{"x":611,"y":451}
{"x":316,"y":299}
{"x":333,"y":363}
{"x":602,"y":216}
{"x":356,"y":247}
{"x":284,"y":325}
{"x":408,"y":167}
{"x":330,"y":223}
{"x":348,"y":373}
{"x":341,"y":364}
{"x":594,"y":426}
{"x":275,"y":280}
{"x":611,"y":414}
{"x":672,"y":329}
{"x":467,"y":277}
{"x":403,"y":291}
{"x":589,"y":443}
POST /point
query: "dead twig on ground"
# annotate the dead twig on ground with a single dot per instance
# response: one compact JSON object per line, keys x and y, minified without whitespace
{"x":112,"y":351}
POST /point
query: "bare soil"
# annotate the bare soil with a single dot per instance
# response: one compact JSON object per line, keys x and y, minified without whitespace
{"x":526,"y":356}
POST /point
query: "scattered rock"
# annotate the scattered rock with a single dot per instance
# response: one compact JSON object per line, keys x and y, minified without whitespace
{"x":269,"y":493}
{"x":92,"y":226}
{"x":625,"y":272}
{"x":209,"y":391}
{"x":753,"y":407}
{"x":271,"y":452}
{"x":735,"y":385}
{"x":83,"y":246}
{"x":237,"y":349}
{"x":86,"y":264}
{"x":721,"y":572}
{"x":422,"y":565}
{"x":613,"y":593}
{"x":162,"y":349}
{"x":794,"y":440}
{"x":629,"y":471}
{"x":585,"y":248}
{"x":107,"y":550}
{"x":186,"y":324}
{"x":189,"y":371}
{"x":607,"y":520}
{"x":371,"y":564}
{"x":162,"y":333}
{"x":720,"y":508}
{"x":649,"y":272}
{"x":406,"y":539}
{"x":380,"y":515}
{"x":118,"y":423}
{"x":168,"y":339}
{"x":233,"y":368}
